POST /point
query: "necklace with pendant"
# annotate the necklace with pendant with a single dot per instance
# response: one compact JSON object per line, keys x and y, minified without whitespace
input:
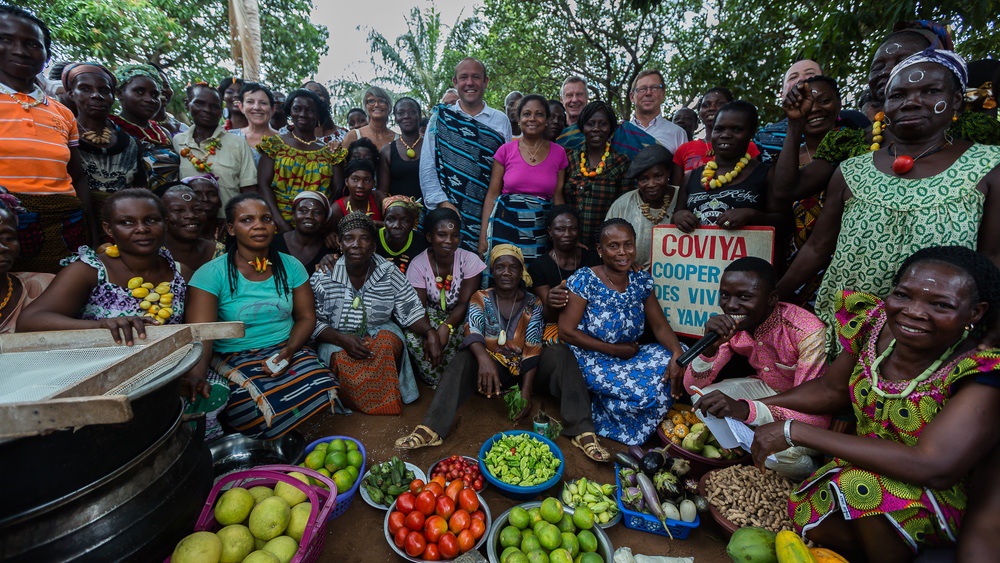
{"x":503,"y":331}
{"x":904,"y":163}
{"x":532,"y":154}
{"x":410,"y":152}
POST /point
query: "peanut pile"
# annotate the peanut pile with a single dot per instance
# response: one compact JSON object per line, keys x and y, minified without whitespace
{"x":746,"y":497}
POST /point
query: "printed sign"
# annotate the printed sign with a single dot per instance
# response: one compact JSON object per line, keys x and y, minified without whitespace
{"x":686,"y":268}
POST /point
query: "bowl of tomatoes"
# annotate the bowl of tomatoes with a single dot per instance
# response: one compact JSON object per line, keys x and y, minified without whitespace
{"x":460,"y":467}
{"x":437,"y":522}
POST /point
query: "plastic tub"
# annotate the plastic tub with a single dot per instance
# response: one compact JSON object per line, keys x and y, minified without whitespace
{"x":343,"y":499}
{"x":513,"y":491}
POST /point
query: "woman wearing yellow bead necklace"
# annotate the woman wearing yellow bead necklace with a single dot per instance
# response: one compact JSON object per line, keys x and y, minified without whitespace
{"x":132,"y":284}
{"x":731,"y":191}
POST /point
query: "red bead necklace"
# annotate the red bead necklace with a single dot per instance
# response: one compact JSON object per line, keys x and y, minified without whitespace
{"x":904,"y":163}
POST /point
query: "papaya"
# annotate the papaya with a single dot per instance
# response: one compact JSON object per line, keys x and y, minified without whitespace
{"x":790,"y":548}
{"x":752,"y":545}
{"x":824,"y":555}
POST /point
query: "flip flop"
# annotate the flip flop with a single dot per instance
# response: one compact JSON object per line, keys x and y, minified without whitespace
{"x":421,"y":437}
{"x":591,"y":447}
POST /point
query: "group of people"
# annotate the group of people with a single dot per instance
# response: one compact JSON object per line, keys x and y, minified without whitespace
{"x":496,"y":251}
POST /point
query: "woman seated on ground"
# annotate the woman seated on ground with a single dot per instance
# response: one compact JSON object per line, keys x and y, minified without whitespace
{"x":361,"y":195}
{"x":608,"y":308}
{"x":731,"y":191}
{"x":356,"y":303}
{"x":498,"y":350}
{"x":269,"y":293}
{"x":19,"y":288}
{"x":445,"y":277}
{"x":396,"y":241}
{"x":310,"y":212}
{"x":550,"y":271}
{"x":185,"y":220}
{"x":651,"y":204}
{"x":206,"y":187}
{"x":899,"y":485}
{"x":107,"y":291}
{"x":527,"y":178}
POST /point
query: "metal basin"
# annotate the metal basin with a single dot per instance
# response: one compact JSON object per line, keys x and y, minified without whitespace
{"x":237,"y":452}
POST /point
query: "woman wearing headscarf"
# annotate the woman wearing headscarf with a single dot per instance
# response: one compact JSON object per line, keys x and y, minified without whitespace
{"x":397,"y":241}
{"x":357,"y":302}
{"x":503,"y":348}
{"x":924,"y":188}
{"x":39,"y":135}
{"x":310,"y":213}
{"x":139,"y":95}
{"x":185,"y":218}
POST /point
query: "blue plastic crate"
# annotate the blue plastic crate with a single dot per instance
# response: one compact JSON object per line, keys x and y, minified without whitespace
{"x":647,"y":522}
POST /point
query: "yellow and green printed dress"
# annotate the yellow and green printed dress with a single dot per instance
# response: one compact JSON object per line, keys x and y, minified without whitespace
{"x":296,"y":171}
{"x":922,"y":516}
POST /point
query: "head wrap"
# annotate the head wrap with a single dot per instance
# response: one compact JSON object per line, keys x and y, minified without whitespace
{"x":357,"y":220}
{"x":211,"y":178}
{"x":406,"y":202}
{"x":511,"y":250}
{"x":10,"y":202}
{"x":936,"y":34}
{"x":948,"y":59}
{"x":130,"y":71}
{"x":310,"y":194}
{"x":73,"y":70}
{"x":356,"y":164}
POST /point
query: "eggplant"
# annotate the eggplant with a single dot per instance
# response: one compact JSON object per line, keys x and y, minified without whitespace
{"x":688,"y":511}
{"x":652,"y":462}
{"x":652,"y":500}
{"x":636,"y":452}
{"x":626,"y":460}
{"x":631,"y":497}
{"x":668,"y":486}
{"x":701,"y":503}
{"x":670,"y":511}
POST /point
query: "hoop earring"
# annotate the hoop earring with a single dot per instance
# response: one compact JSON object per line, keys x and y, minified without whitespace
{"x":939,"y":109}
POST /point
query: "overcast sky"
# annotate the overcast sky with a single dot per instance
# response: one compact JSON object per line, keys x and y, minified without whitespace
{"x":349,"y":52}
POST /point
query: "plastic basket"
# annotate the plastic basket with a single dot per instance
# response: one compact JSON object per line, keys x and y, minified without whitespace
{"x":513,"y":491}
{"x":269,"y":475}
{"x":647,"y":522}
{"x":344,"y":499}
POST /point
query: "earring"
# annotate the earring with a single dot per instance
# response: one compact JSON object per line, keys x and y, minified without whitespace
{"x":969,"y":327}
{"x":954,"y":117}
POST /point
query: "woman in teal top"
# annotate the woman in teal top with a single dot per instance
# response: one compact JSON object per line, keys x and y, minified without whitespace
{"x":268,"y":292}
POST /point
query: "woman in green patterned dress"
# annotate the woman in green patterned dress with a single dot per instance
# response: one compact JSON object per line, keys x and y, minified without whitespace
{"x":922,"y":189}
{"x":926,"y":403}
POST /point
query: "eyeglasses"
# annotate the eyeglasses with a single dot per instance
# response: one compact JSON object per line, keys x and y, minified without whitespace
{"x":376,"y":101}
{"x":643,"y":90}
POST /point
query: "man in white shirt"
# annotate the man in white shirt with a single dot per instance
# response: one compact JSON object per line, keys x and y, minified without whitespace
{"x":471,"y":81}
{"x":574,"y":97}
{"x":647,"y":96}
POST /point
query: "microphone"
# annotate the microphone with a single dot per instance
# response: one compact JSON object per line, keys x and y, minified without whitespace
{"x":698,"y":347}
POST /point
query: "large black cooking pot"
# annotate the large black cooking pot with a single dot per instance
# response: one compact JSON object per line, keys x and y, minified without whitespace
{"x":119,"y":492}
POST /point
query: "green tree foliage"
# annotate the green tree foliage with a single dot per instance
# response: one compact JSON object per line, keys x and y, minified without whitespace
{"x":189,"y":39}
{"x":420,"y":62}
{"x":745,"y":45}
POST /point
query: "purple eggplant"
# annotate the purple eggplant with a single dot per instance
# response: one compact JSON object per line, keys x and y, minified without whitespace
{"x":652,"y":500}
{"x":627,"y":460}
{"x":636,"y":452}
{"x":652,"y":462}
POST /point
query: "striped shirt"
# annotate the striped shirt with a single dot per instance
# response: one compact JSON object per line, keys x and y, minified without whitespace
{"x":36,"y":135}
{"x":385,"y":294}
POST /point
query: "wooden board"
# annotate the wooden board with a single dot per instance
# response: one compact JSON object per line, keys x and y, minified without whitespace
{"x":686,"y":268}
{"x":27,"y":419}
{"x":101,"y":338}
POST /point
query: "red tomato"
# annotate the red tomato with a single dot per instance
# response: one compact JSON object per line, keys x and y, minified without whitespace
{"x":431,"y":553}
{"x":404,"y":502}
{"x":477,"y":527}
{"x":479,"y":515}
{"x":399,"y":538}
{"x":435,"y":488}
{"x":440,"y":480}
{"x":466,"y":541}
{"x":396,"y":521}
{"x":453,"y":489}
{"x":468,"y":500}
{"x":444,"y":507}
{"x":415,"y":544}
{"x":448,"y":546}
{"x":459,"y":521}
{"x":435,"y":527}
{"x":478,"y":484}
{"x":425,"y":502}
{"x":416,"y":486}
{"x":415,"y":521}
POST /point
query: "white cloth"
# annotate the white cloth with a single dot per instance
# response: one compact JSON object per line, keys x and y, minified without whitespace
{"x":664,"y":131}
{"x":429,"y":183}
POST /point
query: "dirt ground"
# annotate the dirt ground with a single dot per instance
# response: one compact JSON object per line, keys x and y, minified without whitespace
{"x":357,"y":536}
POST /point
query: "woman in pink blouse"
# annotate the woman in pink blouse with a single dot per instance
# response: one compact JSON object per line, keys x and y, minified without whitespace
{"x":527,"y":178}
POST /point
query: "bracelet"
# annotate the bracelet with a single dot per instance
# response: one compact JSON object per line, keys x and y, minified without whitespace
{"x":788,"y":433}
{"x":451,"y":329}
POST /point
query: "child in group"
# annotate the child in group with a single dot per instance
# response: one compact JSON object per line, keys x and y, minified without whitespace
{"x":360,"y":180}
{"x":785,"y":345}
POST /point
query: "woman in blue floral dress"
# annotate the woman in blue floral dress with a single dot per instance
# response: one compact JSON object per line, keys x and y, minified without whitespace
{"x":608,"y":308}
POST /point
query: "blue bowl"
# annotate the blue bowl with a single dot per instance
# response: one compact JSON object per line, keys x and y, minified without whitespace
{"x":513,"y":491}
